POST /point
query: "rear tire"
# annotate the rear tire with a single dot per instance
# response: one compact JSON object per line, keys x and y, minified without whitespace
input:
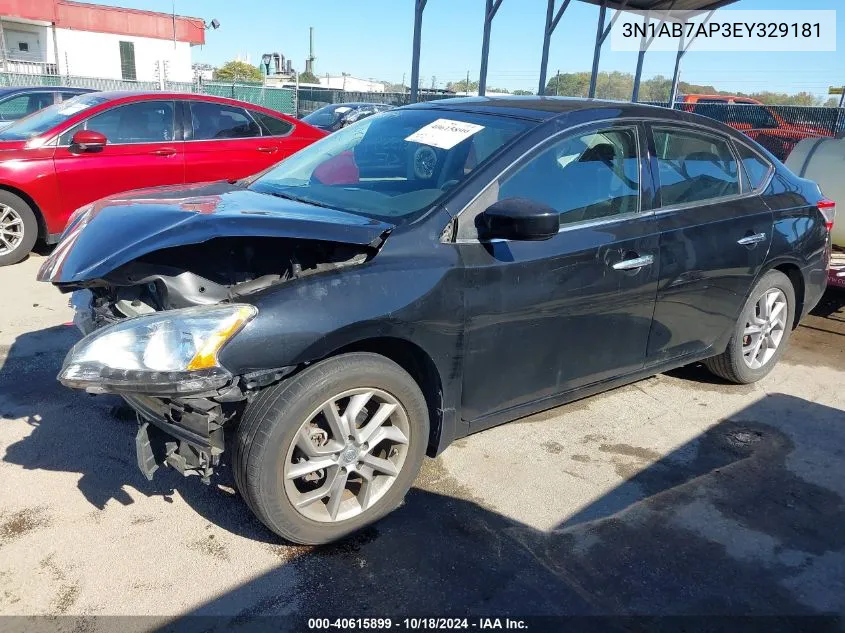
{"x":745,"y":361}
{"x":18,"y":228}
{"x":286,"y":422}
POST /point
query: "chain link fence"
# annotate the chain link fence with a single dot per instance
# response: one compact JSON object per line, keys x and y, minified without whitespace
{"x":778,"y":128}
{"x":279,"y":99}
{"x":311,"y":99}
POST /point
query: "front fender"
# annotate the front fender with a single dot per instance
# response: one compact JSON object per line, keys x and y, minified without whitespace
{"x":419,"y":300}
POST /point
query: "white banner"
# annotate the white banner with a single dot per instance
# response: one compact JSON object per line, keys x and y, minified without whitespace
{"x":724,"y":30}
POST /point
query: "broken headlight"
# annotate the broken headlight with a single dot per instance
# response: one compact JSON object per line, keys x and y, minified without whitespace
{"x":167,"y":353}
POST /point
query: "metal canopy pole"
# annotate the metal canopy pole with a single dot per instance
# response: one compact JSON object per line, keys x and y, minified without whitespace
{"x":489,"y":14}
{"x":415,"y":54}
{"x":644,"y":46}
{"x":552,"y":20}
{"x":601,"y":36}
{"x":635,"y":94}
{"x":597,"y":50}
{"x":673,"y":94}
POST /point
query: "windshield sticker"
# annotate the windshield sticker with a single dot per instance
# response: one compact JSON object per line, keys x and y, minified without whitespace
{"x":73,"y":108}
{"x":444,"y":133}
{"x":342,"y":109}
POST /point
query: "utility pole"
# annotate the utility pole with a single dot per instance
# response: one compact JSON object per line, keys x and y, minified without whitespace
{"x":557,"y":83}
{"x":467,"y":85}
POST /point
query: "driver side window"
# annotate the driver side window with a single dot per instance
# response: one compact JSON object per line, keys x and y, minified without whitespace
{"x":141,"y":122}
{"x":584,"y":177}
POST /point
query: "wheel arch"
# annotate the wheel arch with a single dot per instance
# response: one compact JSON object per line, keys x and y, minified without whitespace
{"x":793,"y":272}
{"x":39,"y":215}
{"x":421,"y":367}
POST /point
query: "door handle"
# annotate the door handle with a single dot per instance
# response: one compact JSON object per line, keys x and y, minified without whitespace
{"x":748,"y":240}
{"x":268,"y":150}
{"x":165,"y":151}
{"x":637,"y":262}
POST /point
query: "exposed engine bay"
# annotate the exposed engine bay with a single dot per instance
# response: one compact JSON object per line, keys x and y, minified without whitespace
{"x":219,"y":270}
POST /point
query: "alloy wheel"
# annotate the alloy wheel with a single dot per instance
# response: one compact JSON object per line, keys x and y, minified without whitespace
{"x":346,"y":455}
{"x":765,"y":328}
{"x":11,"y":229}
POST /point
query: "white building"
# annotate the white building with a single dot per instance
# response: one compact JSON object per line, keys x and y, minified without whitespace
{"x":350,"y":84}
{"x":62,"y":37}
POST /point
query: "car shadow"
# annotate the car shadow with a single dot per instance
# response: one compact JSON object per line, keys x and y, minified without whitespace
{"x":746,"y":518}
{"x":95,"y":437}
{"x":732,"y":523}
{"x":831,"y":305}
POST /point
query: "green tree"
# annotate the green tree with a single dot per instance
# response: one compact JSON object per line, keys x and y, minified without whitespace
{"x":522,"y":92}
{"x":308,"y":78}
{"x":462,"y":86}
{"x":237,"y":71}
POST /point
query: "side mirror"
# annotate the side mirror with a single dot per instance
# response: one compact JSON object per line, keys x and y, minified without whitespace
{"x":88,"y":140}
{"x":519,"y":219}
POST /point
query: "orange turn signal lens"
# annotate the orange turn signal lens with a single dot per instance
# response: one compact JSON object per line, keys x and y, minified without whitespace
{"x":206,"y":357}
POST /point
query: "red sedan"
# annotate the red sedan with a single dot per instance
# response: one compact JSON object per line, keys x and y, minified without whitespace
{"x":95,"y":145}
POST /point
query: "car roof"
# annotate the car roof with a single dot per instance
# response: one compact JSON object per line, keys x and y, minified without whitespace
{"x":25,"y":89}
{"x":540,"y":109}
{"x":130,"y":95}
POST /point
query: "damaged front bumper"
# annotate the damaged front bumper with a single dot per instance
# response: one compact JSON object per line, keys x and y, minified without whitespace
{"x":184,"y":434}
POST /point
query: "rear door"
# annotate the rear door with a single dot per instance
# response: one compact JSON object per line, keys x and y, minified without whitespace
{"x":715,"y":233}
{"x":142,"y":150}
{"x":283,"y":134}
{"x":225,"y":142}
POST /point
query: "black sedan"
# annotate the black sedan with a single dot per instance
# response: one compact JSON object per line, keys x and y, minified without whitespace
{"x":335,"y":116}
{"x":427,"y":273}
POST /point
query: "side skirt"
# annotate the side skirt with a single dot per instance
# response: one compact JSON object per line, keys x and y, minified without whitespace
{"x":536,"y":406}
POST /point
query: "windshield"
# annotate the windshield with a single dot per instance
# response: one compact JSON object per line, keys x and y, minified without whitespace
{"x":391,"y":166}
{"x":327,"y":116}
{"x":51,"y":116}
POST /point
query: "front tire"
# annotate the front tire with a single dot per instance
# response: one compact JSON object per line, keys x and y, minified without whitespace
{"x":18,"y":228}
{"x":761,"y":332}
{"x":331,"y":449}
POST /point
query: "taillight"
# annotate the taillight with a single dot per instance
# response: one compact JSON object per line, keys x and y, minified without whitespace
{"x":828,"y":209}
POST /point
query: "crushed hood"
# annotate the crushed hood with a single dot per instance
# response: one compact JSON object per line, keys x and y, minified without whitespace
{"x":119,"y":229}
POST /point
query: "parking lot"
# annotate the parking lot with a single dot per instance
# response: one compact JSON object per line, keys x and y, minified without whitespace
{"x":675,"y":495}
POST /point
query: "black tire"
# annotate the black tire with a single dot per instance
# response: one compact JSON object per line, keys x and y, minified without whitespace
{"x":270,"y":424}
{"x":30,"y":228}
{"x":730,"y":364}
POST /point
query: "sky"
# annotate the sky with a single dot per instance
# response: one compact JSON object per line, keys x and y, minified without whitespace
{"x":372,"y":39}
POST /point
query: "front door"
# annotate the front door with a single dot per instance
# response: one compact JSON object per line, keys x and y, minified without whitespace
{"x":547,"y":317}
{"x":142,"y":150}
{"x":714,"y":237}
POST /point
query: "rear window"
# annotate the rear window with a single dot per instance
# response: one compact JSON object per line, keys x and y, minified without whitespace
{"x":270,"y":125}
{"x":694,"y":167}
{"x":212,"y":121}
{"x":756,"y":169}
